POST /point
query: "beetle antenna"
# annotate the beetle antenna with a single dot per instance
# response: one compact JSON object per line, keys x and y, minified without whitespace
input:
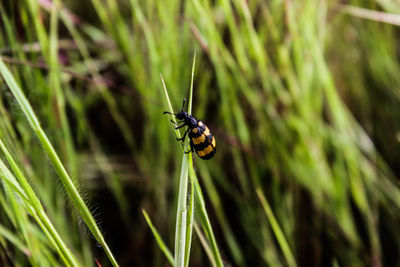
{"x":183,"y":105}
{"x":167,"y":112}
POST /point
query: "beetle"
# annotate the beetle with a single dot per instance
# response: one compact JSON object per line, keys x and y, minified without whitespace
{"x":201,"y":139}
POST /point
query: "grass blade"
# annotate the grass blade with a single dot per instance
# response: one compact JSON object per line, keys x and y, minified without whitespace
{"x":55,"y":160}
{"x":204,"y":243}
{"x":158,"y":238}
{"x":40,"y":216}
{"x":206,"y":224}
{"x":10,"y":236}
{"x":190,"y":214}
{"x":277,"y":230}
{"x":373,"y":15}
{"x":195,"y":192}
{"x":180,"y":230}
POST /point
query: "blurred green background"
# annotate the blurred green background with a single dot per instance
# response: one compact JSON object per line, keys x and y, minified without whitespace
{"x":302,"y":97}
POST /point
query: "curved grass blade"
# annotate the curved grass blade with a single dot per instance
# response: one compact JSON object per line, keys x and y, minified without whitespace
{"x":55,"y":160}
{"x":41,"y":218}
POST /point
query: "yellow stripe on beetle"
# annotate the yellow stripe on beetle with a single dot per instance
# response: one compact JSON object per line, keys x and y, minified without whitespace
{"x":205,"y":151}
{"x":199,"y":140}
{"x":207,"y":131}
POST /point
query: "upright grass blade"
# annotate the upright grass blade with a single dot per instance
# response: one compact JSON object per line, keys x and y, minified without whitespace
{"x":57,"y":164}
{"x":181,"y":226}
{"x":191,"y":85}
{"x":181,"y":213}
{"x":184,"y":214}
{"x":190,"y":214}
{"x":55,"y":85}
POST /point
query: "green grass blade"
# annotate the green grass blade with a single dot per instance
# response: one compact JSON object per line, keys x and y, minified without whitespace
{"x":187,"y":167}
{"x":177,"y":132}
{"x":277,"y":230}
{"x":10,"y":236}
{"x":206,"y":224}
{"x":184,"y":217}
{"x":34,"y":207}
{"x":191,"y":85}
{"x":158,"y":238}
{"x":40,"y":217}
{"x":204,"y":243}
{"x":55,"y":85}
{"x":55,"y":160}
{"x":180,"y":230}
{"x":190,"y":214}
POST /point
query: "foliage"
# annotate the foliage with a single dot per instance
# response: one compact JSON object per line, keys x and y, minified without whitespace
{"x":302,"y":97}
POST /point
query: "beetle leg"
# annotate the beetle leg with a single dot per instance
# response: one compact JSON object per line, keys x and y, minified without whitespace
{"x":190,"y":150}
{"x":184,"y":135}
{"x":179,"y":126}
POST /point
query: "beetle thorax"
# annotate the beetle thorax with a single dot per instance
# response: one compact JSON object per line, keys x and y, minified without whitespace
{"x":189,"y":120}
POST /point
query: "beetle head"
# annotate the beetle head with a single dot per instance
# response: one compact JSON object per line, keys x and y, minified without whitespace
{"x":181,"y":115}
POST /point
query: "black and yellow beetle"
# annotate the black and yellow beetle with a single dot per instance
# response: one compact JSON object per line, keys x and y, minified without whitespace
{"x":201,"y":140}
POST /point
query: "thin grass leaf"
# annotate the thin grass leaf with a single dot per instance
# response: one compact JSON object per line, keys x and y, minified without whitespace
{"x":181,"y":239}
{"x":190,"y":214}
{"x":277,"y":230}
{"x":373,"y":15}
{"x":206,"y":224}
{"x":180,"y":229}
{"x":184,"y":221}
{"x":10,"y":236}
{"x":55,"y":84}
{"x":204,"y":243}
{"x":191,"y":85}
{"x":158,"y":238}
{"x":171,"y":110}
{"x":22,"y":224}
